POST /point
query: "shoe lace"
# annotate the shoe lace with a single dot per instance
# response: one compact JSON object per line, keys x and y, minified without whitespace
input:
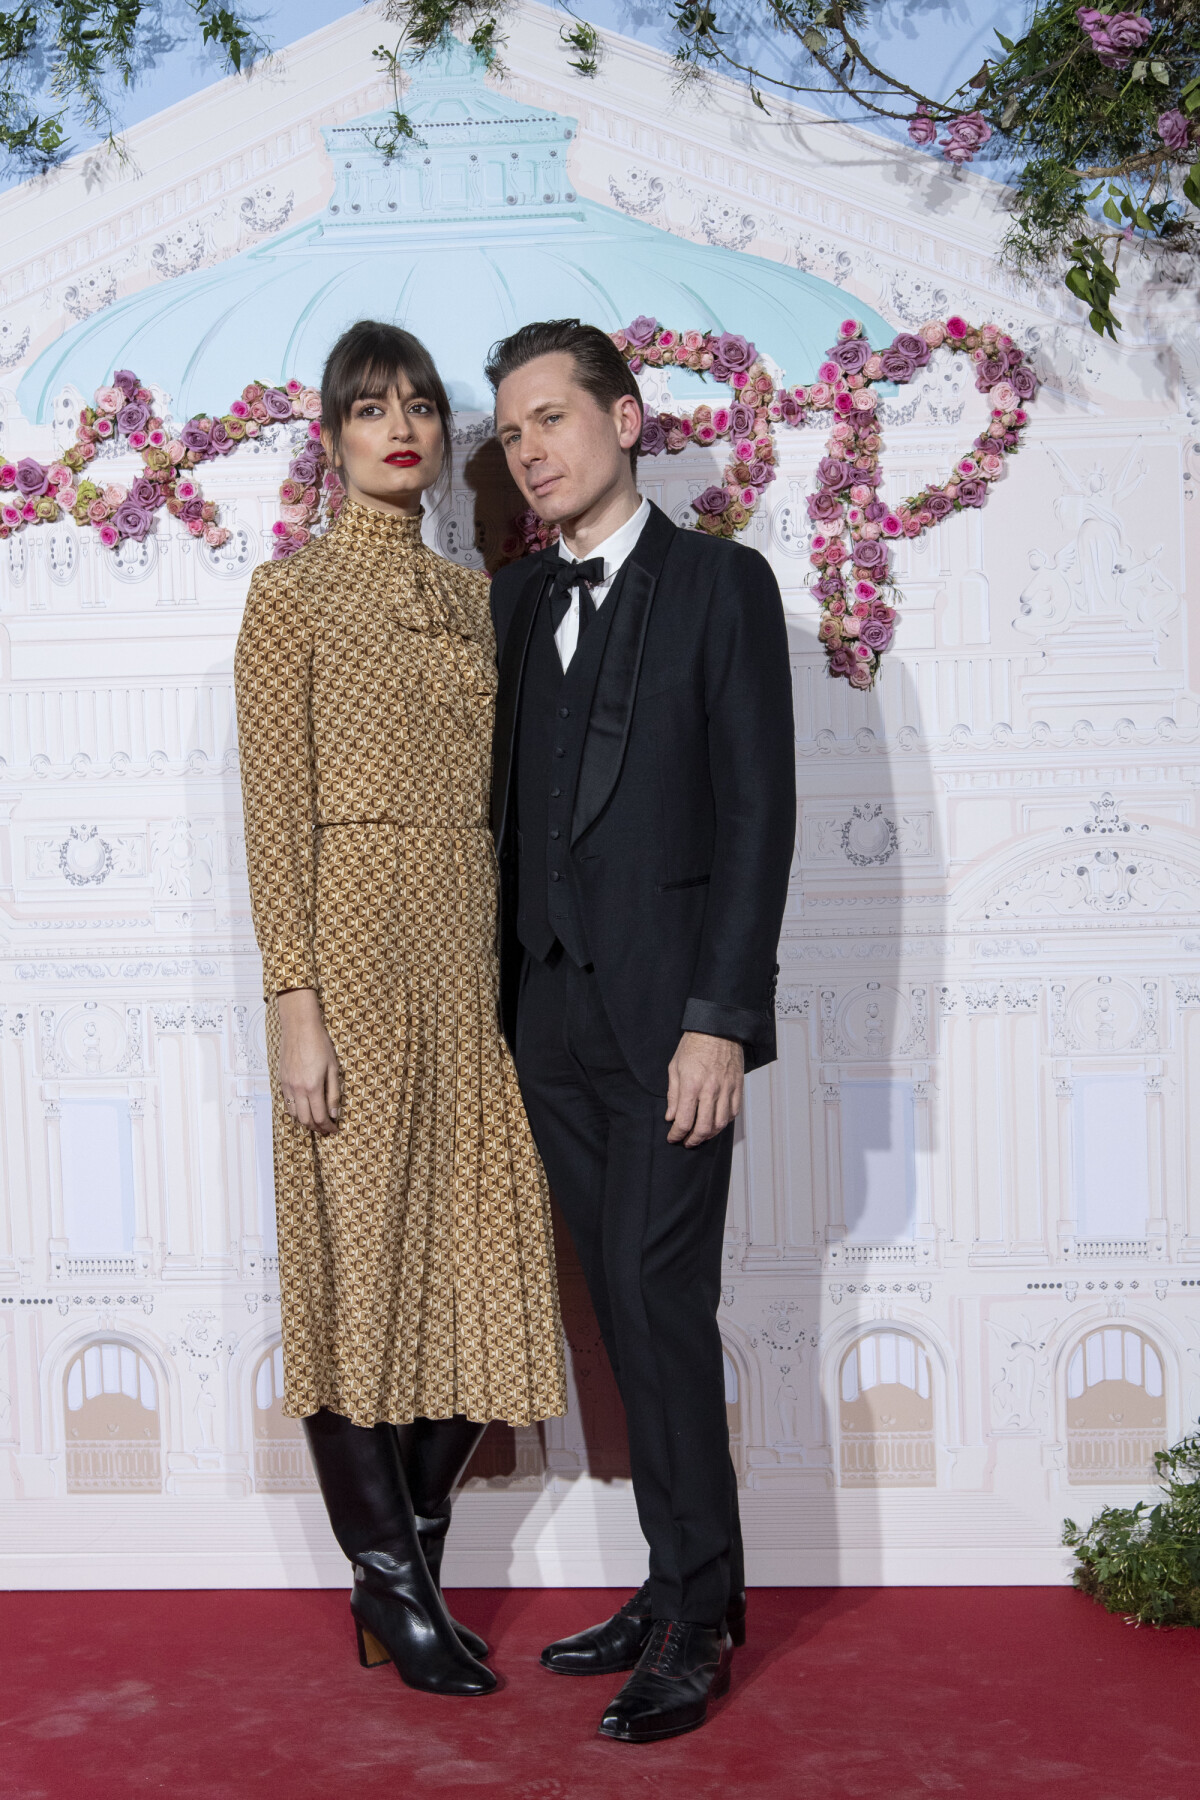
{"x":638,"y":1605}
{"x":664,"y":1651}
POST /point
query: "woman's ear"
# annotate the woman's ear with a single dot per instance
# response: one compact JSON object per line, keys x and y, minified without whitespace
{"x":327,"y":446}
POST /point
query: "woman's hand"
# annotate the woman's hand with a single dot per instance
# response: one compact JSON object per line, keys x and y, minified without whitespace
{"x":308,"y":1067}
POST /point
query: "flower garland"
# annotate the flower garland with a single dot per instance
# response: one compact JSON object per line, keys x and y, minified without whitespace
{"x":123,"y":415}
{"x":856,"y":589}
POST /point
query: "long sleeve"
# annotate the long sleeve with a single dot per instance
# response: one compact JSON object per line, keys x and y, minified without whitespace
{"x":752,"y":763}
{"x":273,"y":680}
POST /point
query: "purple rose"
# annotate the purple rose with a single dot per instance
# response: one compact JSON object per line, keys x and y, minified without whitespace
{"x":192,"y":509}
{"x":761,"y":474}
{"x":277,"y":404}
{"x":1024,"y":382}
{"x":654,"y":436}
{"x":146,"y":494}
{"x":913,"y":346}
{"x":874,"y":510}
{"x":833,"y":473}
{"x":991,"y":370}
{"x":869,"y":477}
{"x":792,"y":410}
{"x":642,"y":331}
{"x":733,"y":352}
{"x":32,"y":478}
{"x":921,"y":128}
{"x":133,"y":417}
{"x":940,"y":505}
{"x":965,"y":137}
{"x":851,"y":355}
{"x":841,"y":662}
{"x":712,"y":501}
{"x":1174,"y":130}
{"x":195,"y":436}
{"x":824,"y":507}
{"x":305,"y":467}
{"x":131,"y":520}
{"x":128,"y":383}
{"x":972,"y":492}
{"x":220,"y":441}
{"x":875,"y":634}
{"x":870,"y":554}
{"x":1115,"y":36}
{"x":829,"y":586}
{"x":897,"y":366}
{"x":741,"y":419}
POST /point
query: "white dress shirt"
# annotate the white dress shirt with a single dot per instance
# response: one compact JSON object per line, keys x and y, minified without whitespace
{"x":615,"y":550}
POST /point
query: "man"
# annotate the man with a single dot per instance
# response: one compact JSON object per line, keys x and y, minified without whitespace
{"x":643,"y":802}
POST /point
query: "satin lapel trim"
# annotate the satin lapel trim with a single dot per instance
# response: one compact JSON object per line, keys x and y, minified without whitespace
{"x":508,"y":696}
{"x":612,"y":701}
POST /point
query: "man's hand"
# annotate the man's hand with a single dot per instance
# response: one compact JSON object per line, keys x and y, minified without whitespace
{"x":308,"y":1067}
{"x":704,"y":1087}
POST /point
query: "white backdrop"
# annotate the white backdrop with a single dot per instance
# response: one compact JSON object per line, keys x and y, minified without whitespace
{"x":964,"y":1241}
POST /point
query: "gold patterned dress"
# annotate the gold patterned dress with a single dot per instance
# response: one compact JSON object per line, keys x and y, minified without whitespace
{"x":415,"y":1255}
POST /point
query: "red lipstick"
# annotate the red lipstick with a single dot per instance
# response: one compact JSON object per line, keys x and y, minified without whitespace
{"x":403,"y":459}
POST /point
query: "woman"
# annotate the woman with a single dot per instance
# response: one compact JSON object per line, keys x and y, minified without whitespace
{"x":416,"y":1272}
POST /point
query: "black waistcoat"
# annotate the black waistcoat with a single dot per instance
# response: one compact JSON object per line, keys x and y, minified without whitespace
{"x":549,"y":744}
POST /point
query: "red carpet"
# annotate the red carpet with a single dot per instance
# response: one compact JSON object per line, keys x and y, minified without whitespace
{"x":856,"y":1694}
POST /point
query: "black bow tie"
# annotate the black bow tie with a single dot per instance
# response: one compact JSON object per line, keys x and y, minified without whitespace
{"x":566,"y":576}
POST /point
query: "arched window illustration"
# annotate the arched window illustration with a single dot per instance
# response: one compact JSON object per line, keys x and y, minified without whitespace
{"x":733,"y":1413}
{"x":885,"y":1413}
{"x":1116,"y":1408}
{"x":281,"y":1464}
{"x":113,"y":1433}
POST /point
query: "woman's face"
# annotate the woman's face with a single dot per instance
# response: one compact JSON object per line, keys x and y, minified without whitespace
{"x":390,"y":450}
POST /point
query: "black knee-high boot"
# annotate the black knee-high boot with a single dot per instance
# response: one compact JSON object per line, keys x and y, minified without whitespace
{"x":435,"y":1453}
{"x":398,"y":1609}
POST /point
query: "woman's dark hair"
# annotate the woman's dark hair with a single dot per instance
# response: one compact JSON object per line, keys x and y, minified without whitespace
{"x":600,"y":369}
{"x":369,"y":359}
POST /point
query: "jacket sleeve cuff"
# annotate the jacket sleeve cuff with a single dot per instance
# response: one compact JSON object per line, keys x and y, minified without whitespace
{"x":288,"y":966}
{"x":736,"y":1022}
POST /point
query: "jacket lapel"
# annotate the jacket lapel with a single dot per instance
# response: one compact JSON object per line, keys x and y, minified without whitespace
{"x":508,"y":694}
{"x":616,"y":684}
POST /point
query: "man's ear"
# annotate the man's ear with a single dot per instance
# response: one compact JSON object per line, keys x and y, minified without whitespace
{"x":628,"y":413}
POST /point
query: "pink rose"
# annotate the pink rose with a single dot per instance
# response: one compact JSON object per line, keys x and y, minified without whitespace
{"x":870,"y":531}
{"x":828,"y":371}
{"x":873,"y":367}
{"x":865,"y":590}
{"x":11,"y":516}
{"x":114,"y":494}
{"x":956,"y":327}
{"x":109,"y":535}
{"x":861,"y":676}
{"x":66,"y":497}
{"x":110,"y":399}
{"x":8,"y":475}
{"x":215,"y":535}
{"x":175,"y":450}
{"x":158,"y":438}
{"x":739,"y":378}
{"x":239,"y":410}
{"x":58,"y":473}
{"x":864,"y":401}
{"x":692,"y":340}
{"x":891,"y":525}
{"x":195,"y":526}
{"x":104,"y":428}
{"x":720,"y":419}
{"x":1004,"y":397}
{"x":991,"y":464}
{"x":849,"y":328}
{"x":843,"y":402}
{"x":820,"y":395}
{"x":705,"y":434}
{"x":841,"y":432}
{"x":921,"y":128}
{"x":861,"y":494}
{"x":310,"y":404}
{"x":138,"y":440}
{"x":851,"y":626}
{"x":837,"y":552}
{"x":912,"y":528}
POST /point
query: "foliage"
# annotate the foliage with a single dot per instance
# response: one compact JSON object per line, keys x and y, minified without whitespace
{"x":1095,"y":110}
{"x":76,"y":51}
{"x":1145,"y":1560}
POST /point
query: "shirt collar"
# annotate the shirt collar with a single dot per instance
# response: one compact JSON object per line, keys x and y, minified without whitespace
{"x":620,"y":545}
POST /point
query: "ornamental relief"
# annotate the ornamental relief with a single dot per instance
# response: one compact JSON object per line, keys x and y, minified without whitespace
{"x":865,"y":835}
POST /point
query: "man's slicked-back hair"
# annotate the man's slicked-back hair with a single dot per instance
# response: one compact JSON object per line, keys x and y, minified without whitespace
{"x":368,"y":360}
{"x":600,"y":369}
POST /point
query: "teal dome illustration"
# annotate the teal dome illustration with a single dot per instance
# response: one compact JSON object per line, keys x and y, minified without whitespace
{"x":472,"y":230}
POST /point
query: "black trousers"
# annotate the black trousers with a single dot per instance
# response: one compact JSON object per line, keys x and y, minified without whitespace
{"x":647,"y":1218}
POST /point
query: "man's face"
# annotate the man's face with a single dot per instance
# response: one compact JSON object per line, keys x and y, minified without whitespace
{"x":566,"y":452}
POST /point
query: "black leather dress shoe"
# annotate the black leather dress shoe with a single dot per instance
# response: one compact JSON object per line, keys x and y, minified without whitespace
{"x":605,"y":1649}
{"x":616,"y":1645}
{"x":681,"y":1669}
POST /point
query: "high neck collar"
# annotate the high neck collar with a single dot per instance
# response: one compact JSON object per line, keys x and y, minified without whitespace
{"x":380,"y":530}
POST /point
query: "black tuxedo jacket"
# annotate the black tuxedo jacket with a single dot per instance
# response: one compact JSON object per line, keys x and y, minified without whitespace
{"x":684,"y":813}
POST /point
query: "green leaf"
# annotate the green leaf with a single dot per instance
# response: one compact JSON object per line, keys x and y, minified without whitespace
{"x":1079,"y":285}
{"x":1007,"y":42}
{"x":1191,"y":185}
{"x":1159,"y":72}
{"x":1099,"y":188}
{"x":1110,"y":212}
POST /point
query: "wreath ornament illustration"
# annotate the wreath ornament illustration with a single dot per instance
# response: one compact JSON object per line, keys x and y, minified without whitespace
{"x":851,"y":548}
